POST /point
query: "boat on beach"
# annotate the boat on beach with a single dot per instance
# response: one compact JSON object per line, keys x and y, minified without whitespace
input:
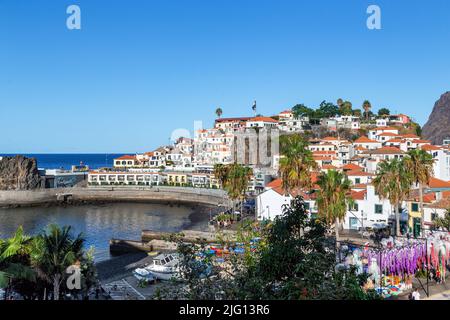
{"x":165,"y":267}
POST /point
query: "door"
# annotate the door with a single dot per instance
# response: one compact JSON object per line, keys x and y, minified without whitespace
{"x":353,"y":223}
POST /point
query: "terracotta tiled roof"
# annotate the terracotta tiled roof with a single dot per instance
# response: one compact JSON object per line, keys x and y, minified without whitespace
{"x":358,"y":195}
{"x":233,"y":119}
{"x":264,"y":119}
{"x":385,"y":150}
{"x":364,"y":139}
{"x":351,"y":166}
{"x":356,"y":173}
{"x":428,"y":147}
{"x":126,"y":157}
{"x":438,"y":183}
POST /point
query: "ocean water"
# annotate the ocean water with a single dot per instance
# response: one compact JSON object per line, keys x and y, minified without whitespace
{"x":66,"y":160}
{"x":101,"y":222}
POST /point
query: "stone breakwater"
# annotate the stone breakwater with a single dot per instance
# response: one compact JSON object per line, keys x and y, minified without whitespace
{"x":15,"y":198}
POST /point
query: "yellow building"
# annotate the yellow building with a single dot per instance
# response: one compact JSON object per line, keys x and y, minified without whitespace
{"x":415,"y":216}
{"x":177,"y":179}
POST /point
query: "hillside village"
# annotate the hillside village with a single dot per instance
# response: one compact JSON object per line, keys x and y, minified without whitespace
{"x":353,"y":142}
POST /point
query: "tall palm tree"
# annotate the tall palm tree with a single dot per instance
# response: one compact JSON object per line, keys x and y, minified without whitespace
{"x":221,"y":173}
{"x":219,"y":112}
{"x":59,"y":251}
{"x":420,"y":164}
{"x":237,"y":181}
{"x":333,"y":198}
{"x":393,"y":182}
{"x":367,"y":106}
{"x":296,"y":162}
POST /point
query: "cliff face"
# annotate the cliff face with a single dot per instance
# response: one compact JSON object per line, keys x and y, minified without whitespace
{"x":18,"y":173}
{"x":438,"y":126}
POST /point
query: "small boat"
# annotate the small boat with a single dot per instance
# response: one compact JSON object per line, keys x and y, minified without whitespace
{"x":165,"y":267}
{"x":142,"y":274}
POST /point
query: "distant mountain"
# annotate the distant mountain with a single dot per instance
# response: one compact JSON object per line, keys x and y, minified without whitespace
{"x":437,"y":127}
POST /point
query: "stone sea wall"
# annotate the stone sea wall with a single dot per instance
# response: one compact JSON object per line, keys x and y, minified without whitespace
{"x":10,"y":198}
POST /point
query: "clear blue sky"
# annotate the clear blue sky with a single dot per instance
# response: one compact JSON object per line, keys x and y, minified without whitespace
{"x":139,"y":69}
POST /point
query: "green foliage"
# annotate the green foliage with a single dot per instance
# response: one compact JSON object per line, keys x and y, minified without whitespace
{"x":293,"y":260}
{"x":443,"y":222}
{"x":384,"y":112}
{"x":28,"y":265}
{"x":296,"y":163}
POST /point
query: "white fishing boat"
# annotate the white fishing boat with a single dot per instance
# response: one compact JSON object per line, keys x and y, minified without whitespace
{"x":142,"y":274}
{"x":165,"y":267}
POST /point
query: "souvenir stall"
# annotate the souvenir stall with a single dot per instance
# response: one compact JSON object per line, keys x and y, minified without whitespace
{"x":394,"y":264}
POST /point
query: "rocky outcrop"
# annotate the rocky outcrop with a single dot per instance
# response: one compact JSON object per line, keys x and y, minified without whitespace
{"x":438,"y":126}
{"x":19,"y":173}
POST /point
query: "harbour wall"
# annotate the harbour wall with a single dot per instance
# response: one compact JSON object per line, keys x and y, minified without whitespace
{"x":13,"y":198}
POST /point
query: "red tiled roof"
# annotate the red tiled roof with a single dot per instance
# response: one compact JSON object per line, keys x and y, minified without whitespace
{"x":126,"y":157}
{"x":385,"y":150}
{"x":351,"y":166}
{"x":358,"y":195}
{"x":356,"y":173}
{"x":438,"y":183}
{"x":233,"y":119}
{"x":264,"y":119}
{"x":364,"y":139}
{"x":428,"y":147}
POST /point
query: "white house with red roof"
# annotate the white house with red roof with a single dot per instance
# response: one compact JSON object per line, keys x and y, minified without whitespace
{"x":367,"y":143}
{"x":373,"y":133}
{"x":261,"y":122}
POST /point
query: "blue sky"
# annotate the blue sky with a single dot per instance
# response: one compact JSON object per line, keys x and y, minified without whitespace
{"x":139,"y":69}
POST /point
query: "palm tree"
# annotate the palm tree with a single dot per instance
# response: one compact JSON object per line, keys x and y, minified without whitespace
{"x":333,"y":198}
{"x":367,"y":106}
{"x":237,"y":180}
{"x":393,"y":182}
{"x":296,"y":162}
{"x":221,"y":173}
{"x":59,"y":250}
{"x":420,"y":164}
{"x":14,"y":259}
{"x":219,"y":112}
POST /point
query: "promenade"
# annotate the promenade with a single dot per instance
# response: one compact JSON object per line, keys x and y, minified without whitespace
{"x":111,"y":194}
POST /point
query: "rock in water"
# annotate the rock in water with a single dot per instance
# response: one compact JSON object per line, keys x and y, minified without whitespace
{"x":19,"y":173}
{"x":438,"y":126}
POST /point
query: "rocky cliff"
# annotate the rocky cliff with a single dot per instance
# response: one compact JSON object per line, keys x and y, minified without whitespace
{"x":438,"y":126}
{"x":18,"y":173}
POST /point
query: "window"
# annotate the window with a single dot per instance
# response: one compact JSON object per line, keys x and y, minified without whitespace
{"x":378,"y":208}
{"x":355,"y":207}
{"x":357,"y":180}
{"x":415,"y":207}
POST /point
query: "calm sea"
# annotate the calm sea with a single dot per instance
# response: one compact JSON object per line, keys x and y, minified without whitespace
{"x":65,"y":161}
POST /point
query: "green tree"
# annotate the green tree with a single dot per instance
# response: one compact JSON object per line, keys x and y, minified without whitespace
{"x":294,"y":259}
{"x":59,"y":250}
{"x":327,"y":110}
{"x":419,"y":164}
{"x":236,"y":183}
{"x":219,"y":112}
{"x":300,"y":110}
{"x":393,"y":182}
{"x":357,"y":113}
{"x":384,"y":112}
{"x":15,"y":264}
{"x":367,"y":106}
{"x":333,"y":198}
{"x":296,"y":162}
{"x":443,"y":222}
{"x":346,"y":108}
